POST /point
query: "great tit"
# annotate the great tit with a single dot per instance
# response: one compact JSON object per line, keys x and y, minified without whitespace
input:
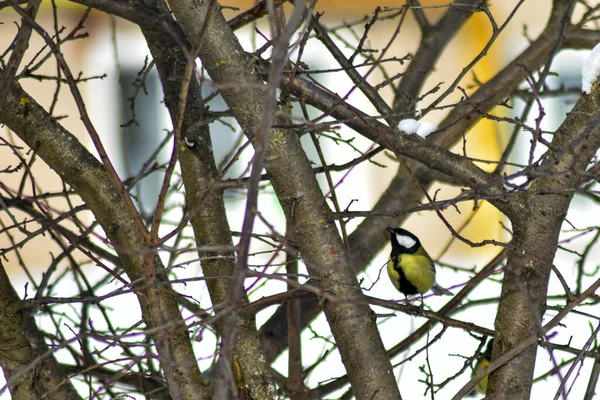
{"x":483,"y":362}
{"x":410,"y":268}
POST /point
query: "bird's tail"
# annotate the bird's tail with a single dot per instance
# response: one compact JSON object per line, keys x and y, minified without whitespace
{"x":437,"y":289}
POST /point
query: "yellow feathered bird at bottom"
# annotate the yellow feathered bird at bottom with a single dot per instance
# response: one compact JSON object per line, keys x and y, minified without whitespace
{"x":483,"y":362}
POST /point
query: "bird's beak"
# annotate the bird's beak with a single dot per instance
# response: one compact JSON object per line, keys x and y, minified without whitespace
{"x":390,"y":230}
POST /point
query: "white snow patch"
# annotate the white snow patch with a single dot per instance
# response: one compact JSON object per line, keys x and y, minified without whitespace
{"x":426,"y":128}
{"x":409,"y":125}
{"x":590,"y":70}
{"x":423,"y":128}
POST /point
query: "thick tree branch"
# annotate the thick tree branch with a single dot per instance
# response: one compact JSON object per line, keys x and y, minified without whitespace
{"x":536,"y":228}
{"x":82,"y":171}
{"x":319,"y":243}
{"x":412,"y":146}
{"x":29,"y":365}
{"x":206,"y":208}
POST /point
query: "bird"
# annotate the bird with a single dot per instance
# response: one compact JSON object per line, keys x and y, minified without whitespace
{"x":484,"y":361}
{"x":409,"y":267}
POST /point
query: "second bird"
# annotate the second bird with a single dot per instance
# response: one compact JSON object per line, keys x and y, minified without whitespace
{"x":410,"y":268}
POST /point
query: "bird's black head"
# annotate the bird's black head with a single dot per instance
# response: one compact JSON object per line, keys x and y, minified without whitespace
{"x":403,"y":241}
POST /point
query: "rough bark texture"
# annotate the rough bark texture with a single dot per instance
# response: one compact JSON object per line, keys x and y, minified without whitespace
{"x":206,"y":208}
{"x":87,"y":176}
{"x":319,"y":242}
{"x":536,"y":226}
{"x":27,"y":362}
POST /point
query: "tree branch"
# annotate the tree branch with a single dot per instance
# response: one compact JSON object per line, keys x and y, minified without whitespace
{"x":206,"y":209}
{"x":82,"y":171}
{"x":28,"y":363}
{"x":319,"y":243}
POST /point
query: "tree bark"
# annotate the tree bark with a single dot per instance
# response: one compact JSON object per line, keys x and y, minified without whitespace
{"x":537,"y":219}
{"x":317,"y":240}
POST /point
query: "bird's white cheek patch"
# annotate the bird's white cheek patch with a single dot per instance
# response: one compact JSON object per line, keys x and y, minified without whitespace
{"x":405,"y":241}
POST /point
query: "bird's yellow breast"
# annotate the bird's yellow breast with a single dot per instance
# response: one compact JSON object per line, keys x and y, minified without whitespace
{"x":481,"y":386}
{"x":417,"y":269}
